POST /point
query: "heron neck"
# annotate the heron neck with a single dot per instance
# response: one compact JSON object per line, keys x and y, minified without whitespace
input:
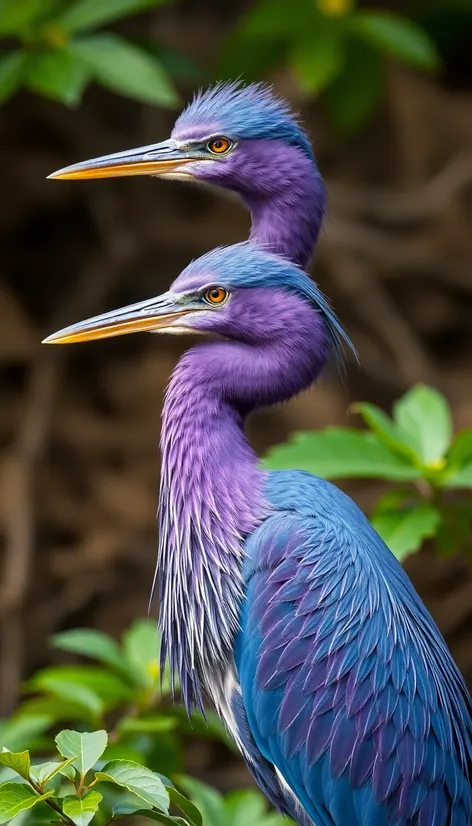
{"x":212,"y":489}
{"x":288,"y":220}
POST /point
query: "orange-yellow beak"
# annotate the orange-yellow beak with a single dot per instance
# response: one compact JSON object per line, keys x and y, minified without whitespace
{"x":154,"y":315}
{"x":161,"y":159}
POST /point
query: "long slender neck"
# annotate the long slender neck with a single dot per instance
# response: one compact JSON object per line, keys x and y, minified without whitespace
{"x":212,"y":489}
{"x":288,"y":220}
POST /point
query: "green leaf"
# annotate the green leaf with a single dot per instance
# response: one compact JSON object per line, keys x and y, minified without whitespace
{"x":355,"y":93}
{"x":108,"y":687}
{"x":154,"y":724}
{"x":248,"y":807}
{"x":41,"y":773}
{"x":19,"y":733}
{"x":129,"y":804}
{"x":91,"y":643}
{"x":16,"y":16}
{"x":209,"y":802}
{"x":141,"y":647}
{"x":269,"y":18}
{"x":137,"y":779}
{"x":461,"y":478}
{"x":19,"y":761}
{"x":383,"y":427}
{"x":53,"y":707}
{"x":317,"y":60}
{"x":460,"y":451}
{"x":126,"y":69}
{"x":341,"y":453}
{"x":404,"y":530}
{"x":165,"y":820}
{"x":251,"y":56}
{"x":11,"y":72}
{"x":84,"y":747}
{"x":15,"y":798}
{"x":57,"y":74}
{"x":398,"y":36}
{"x":454,"y":530}
{"x":424,"y":417}
{"x":82,"y":809}
{"x":177,"y":799}
{"x":88,"y":14}
{"x":69,"y":690}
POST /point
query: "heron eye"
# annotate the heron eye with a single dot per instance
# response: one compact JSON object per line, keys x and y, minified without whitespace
{"x":220,"y":145}
{"x":216,"y":295}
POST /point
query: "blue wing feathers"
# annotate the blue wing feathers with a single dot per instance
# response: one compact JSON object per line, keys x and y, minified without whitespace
{"x":347,"y":685}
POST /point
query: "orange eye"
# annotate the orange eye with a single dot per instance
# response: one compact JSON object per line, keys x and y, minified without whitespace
{"x":219,"y":145}
{"x":216,"y":295}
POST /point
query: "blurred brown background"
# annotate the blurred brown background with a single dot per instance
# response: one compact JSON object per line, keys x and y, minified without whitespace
{"x":79,"y":426}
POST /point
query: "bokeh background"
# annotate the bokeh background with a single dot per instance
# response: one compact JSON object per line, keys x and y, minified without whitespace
{"x":391,"y":121}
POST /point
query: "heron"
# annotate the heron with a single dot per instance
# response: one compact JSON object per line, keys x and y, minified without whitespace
{"x":246,"y":139}
{"x":278,"y":599}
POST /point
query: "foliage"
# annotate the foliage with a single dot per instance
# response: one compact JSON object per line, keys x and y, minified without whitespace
{"x":332,"y":47}
{"x":128,"y":741}
{"x":416,"y":449}
{"x":55,"y":51}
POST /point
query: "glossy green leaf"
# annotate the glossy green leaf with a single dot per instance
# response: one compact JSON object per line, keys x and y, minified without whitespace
{"x":19,"y":761}
{"x":353,"y":96}
{"x":11,"y":73}
{"x":317,"y":61}
{"x":15,"y":798}
{"x":129,"y":804}
{"x":82,"y":809}
{"x":137,"y":779}
{"x":41,"y":773}
{"x":165,"y":820}
{"x":88,"y":14}
{"x":126,"y":69}
{"x":337,"y":453}
{"x":141,"y":648}
{"x":19,"y":733}
{"x":57,"y":74}
{"x":398,"y":36}
{"x":424,"y":417}
{"x":84,"y":747}
{"x":93,"y":644}
{"x":405,"y":530}
{"x":124,"y":751}
{"x":186,"y":806}
{"x":383,"y":427}
{"x":110,"y":688}
{"x":208,"y":801}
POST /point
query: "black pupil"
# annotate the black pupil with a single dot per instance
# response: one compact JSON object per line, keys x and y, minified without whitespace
{"x":218,"y":145}
{"x":215,"y":294}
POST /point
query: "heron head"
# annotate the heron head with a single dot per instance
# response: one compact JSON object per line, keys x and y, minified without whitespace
{"x":240,"y":137}
{"x":238,"y":293}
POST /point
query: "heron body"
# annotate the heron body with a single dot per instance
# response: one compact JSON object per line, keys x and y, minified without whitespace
{"x":267,"y":159}
{"x":277,"y":597}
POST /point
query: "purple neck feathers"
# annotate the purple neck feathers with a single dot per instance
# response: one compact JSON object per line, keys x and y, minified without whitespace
{"x":287,"y":219}
{"x":212,"y":489}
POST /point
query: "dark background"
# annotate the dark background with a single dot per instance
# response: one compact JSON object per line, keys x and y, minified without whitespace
{"x":79,"y":426}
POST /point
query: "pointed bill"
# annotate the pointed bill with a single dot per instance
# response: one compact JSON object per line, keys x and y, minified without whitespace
{"x":155,"y":159}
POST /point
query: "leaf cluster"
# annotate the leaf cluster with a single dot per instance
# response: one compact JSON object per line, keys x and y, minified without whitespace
{"x":122,"y":767}
{"x":415,"y":448}
{"x":332,"y":47}
{"x":53,"y":49}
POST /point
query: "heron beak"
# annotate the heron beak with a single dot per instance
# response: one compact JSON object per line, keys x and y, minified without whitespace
{"x":156,"y":159}
{"x":153,"y":315}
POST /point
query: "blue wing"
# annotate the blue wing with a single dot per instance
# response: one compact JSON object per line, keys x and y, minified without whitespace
{"x":347,"y":684}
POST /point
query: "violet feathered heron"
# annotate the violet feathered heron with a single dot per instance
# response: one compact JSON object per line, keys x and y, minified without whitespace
{"x":278,"y":600}
{"x":247,"y":140}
